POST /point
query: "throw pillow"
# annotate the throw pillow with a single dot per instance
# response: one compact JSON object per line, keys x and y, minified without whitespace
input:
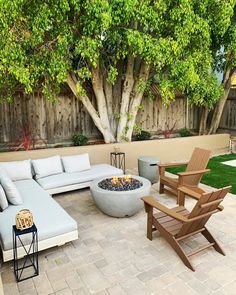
{"x":10,"y":189}
{"x":76,"y":163}
{"x":3,"y":199}
{"x":47,"y":166}
{"x":18,"y":170}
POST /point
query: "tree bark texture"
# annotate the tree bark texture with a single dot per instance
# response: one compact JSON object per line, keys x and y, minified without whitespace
{"x":203,"y":120}
{"x":137,"y":98}
{"x":125,"y":99}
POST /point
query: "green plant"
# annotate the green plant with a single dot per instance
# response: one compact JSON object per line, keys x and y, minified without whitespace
{"x":185,"y":132}
{"x":137,"y":128}
{"x":79,"y":139}
{"x":143,"y":135}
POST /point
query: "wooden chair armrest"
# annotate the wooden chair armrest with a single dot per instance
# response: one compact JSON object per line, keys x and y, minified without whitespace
{"x":220,"y":207}
{"x":172,"y":164}
{"x":153,"y":203}
{"x":189,"y":173}
{"x":191,"y":192}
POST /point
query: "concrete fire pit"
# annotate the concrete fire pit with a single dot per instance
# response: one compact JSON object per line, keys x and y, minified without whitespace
{"x":120,"y":203}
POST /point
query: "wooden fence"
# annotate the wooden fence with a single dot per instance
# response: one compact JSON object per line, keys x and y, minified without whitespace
{"x":228,"y":119}
{"x":155,"y":117}
{"x":56,"y":123}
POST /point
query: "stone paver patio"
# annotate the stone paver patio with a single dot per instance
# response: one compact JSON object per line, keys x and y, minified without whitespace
{"x":113,"y":256}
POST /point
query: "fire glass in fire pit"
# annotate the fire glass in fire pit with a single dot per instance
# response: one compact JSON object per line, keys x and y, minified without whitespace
{"x":125,"y":183}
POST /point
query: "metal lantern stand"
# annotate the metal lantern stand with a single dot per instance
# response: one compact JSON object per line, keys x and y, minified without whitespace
{"x":118,"y":160}
{"x":31,"y":252}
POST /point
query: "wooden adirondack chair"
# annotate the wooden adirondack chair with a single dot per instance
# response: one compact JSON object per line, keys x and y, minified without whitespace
{"x":178,"y":223}
{"x":191,"y":177}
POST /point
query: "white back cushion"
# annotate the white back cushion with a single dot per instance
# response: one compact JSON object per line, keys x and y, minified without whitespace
{"x":3,"y":199}
{"x":76,"y":163}
{"x":17,"y":170}
{"x":10,"y":189}
{"x":47,"y":166}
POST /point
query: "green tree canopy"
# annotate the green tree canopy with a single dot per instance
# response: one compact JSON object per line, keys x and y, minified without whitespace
{"x":120,"y":47}
{"x":224,"y":54}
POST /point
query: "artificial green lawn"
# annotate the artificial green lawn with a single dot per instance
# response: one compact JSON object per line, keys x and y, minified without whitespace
{"x":220,"y":175}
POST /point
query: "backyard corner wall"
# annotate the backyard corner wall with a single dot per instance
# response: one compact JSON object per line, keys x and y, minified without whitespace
{"x":169,"y":150}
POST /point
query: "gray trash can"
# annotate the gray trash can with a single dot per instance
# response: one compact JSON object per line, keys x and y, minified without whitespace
{"x":148,"y":167}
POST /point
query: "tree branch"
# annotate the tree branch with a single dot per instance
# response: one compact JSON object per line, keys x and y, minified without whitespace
{"x":72,"y":81}
{"x":218,"y":111}
{"x":109,"y":101}
{"x":137,"y":98}
{"x":108,"y":95}
{"x":127,"y":88}
{"x":97,"y":81}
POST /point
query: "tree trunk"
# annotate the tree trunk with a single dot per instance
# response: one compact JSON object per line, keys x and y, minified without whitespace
{"x":117,"y":89}
{"x":107,"y":135}
{"x":125,"y":99}
{"x":97,"y":81}
{"x":203,"y":120}
{"x":109,"y":101}
{"x":136,"y":101}
{"x":215,"y":122}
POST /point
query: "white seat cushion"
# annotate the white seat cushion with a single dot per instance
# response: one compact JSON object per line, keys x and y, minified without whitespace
{"x":49,"y":217}
{"x":11,"y":191}
{"x":76,"y":163}
{"x":3,"y":199}
{"x":47,"y":166}
{"x":17,"y":170}
{"x":65,"y":179}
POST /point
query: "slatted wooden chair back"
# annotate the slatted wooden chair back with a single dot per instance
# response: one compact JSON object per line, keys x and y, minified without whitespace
{"x":206,"y":206}
{"x":198,"y":161}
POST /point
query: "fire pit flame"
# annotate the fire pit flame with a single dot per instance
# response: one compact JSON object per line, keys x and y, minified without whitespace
{"x":127,"y":178}
{"x":120,"y":180}
{"x":115,"y":180}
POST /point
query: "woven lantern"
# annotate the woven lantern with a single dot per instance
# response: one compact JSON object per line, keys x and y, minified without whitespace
{"x":24,"y":219}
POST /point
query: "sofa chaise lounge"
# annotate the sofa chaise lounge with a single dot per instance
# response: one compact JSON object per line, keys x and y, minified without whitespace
{"x":35,"y":181}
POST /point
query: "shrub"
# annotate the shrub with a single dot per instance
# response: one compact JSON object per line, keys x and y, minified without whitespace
{"x":168,"y":131}
{"x":79,"y":139}
{"x":185,"y":132}
{"x":143,"y":135}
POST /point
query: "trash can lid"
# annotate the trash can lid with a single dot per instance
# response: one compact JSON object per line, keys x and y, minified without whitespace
{"x":149,"y":159}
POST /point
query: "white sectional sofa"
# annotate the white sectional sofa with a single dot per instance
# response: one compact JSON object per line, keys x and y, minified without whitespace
{"x":33,"y":187}
{"x":65,"y":181}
